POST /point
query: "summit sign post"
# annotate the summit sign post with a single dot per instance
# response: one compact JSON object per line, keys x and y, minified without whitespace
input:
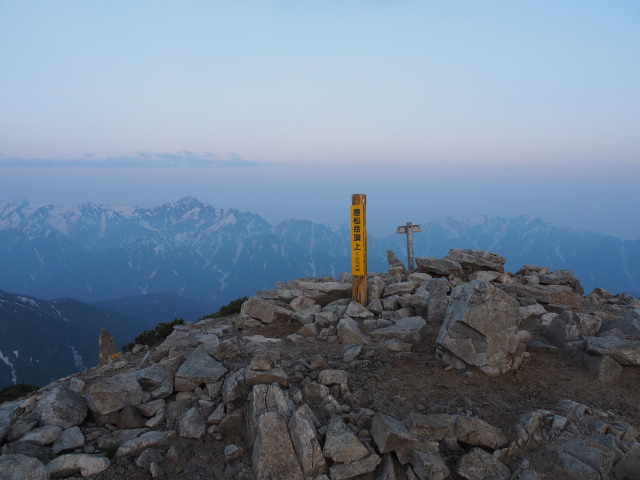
{"x":358,"y":240}
{"x":409,"y":229}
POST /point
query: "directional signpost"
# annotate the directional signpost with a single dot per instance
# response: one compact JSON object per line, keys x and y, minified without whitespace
{"x":358,"y":234}
{"x":409,"y":229}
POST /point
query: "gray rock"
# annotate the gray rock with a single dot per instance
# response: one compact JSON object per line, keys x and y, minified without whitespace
{"x":111,"y":394}
{"x":275,"y":375}
{"x":198,"y":368}
{"x":391,"y":434}
{"x":62,"y":407}
{"x":481,"y":327}
{"x":44,"y":435}
{"x":603,"y":368}
{"x":352,"y":353}
{"x":349,"y":332}
{"x":157,"y":379}
{"x":480,"y":465}
{"x":342,"y":471}
{"x":73,"y":463}
{"x":570,"y":326}
{"x":438,"y":266}
{"x":623,"y":351}
{"x":234,"y":390}
{"x":410,"y":330}
{"x":355,"y":310}
{"x":547,"y":294}
{"x":192,"y":424}
{"x":562,"y":277}
{"x":227,"y":349}
{"x":475,"y":260}
{"x":264,"y":311}
{"x":387,"y":470}
{"x":154,"y":439}
{"x":332,"y":377}
{"x":341,"y":444}
{"x":149,"y":409}
{"x":301,"y":303}
{"x":477,"y":432}
{"x":8,"y":413}
{"x":532,"y":311}
{"x":432,"y":427}
{"x":307,"y":315}
{"x":375,"y":287}
{"x":326,"y":319}
{"x":429,"y":466}
{"x":323,"y":293}
{"x":69,"y":439}
{"x":263,"y":399}
{"x":305,"y":443}
{"x":585,"y":459}
{"x":264,"y":360}
{"x":149,"y":456}
{"x":274,"y":457}
{"x":399,"y":288}
{"x":628,"y":467}
{"x":21,"y":467}
{"x":438,"y":300}
{"x":107,"y":347}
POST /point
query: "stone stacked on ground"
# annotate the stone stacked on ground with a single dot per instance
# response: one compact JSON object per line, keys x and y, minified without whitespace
{"x":268,"y":417}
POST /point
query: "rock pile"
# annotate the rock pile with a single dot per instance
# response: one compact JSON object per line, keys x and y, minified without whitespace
{"x":218,"y":400}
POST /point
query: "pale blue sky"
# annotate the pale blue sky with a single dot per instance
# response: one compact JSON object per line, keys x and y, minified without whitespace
{"x":447,"y":108}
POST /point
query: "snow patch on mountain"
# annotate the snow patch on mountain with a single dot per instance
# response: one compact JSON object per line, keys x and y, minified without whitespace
{"x":5,"y":359}
{"x":77,"y":358}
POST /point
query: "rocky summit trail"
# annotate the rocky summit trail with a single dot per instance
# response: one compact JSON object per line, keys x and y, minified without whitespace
{"x":457,"y":371}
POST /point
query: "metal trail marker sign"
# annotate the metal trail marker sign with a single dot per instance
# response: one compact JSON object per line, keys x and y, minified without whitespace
{"x":409,"y":229}
{"x":358,"y":234}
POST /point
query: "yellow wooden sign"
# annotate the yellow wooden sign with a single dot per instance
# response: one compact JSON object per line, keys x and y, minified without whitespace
{"x":358,"y":240}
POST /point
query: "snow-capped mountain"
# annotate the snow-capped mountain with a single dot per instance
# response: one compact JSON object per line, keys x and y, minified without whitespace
{"x":214,"y":255}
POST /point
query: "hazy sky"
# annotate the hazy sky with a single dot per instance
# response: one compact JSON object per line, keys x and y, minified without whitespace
{"x":285,"y":108}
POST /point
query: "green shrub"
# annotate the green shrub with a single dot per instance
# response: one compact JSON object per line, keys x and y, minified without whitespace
{"x":230,"y":308}
{"x":155,"y":336}
{"x":12,"y":392}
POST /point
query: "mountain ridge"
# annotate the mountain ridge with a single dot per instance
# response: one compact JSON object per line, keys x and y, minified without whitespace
{"x":213,"y":255}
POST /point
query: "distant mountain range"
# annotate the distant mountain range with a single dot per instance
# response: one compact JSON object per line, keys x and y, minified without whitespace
{"x":139,"y":267}
{"x":212,"y":255}
{"x":43,"y":340}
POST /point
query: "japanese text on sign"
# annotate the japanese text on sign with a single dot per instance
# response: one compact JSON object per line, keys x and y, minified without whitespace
{"x":358,"y":240}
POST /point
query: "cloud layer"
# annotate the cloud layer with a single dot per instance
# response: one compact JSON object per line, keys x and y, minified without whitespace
{"x":139,"y":160}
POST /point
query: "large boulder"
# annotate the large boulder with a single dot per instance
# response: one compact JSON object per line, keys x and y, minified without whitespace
{"x":157,"y":379}
{"x":411,"y":330}
{"x":476,"y":260}
{"x":624,"y":351}
{"x":274,"y":457}
{"x":8,"y":412}
{"x":73,"y":463}
{"x":438,"y":266}
{"x":114,"y":393}
{"x":264,"y":310}
{"x":570,"y":326}
{"x":22,"y":467}
{"x":480,"y":328}
{"x":198,"y":368}
{"x":561,"y":294}
{"x":62,"y":407}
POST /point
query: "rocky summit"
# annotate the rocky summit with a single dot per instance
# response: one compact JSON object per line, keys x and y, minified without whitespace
{"x":459,"y":370}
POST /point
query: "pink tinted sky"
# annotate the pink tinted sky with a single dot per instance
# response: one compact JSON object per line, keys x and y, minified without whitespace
{"x":431,"y":108}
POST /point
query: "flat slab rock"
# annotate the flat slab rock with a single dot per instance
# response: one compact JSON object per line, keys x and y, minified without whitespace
{"x":624,"y":351}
